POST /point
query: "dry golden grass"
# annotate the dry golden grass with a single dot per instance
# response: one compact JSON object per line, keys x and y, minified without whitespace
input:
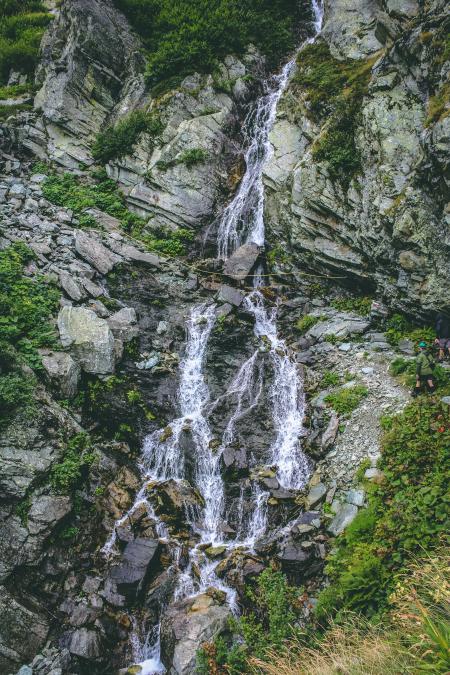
{"x":416,"y":638}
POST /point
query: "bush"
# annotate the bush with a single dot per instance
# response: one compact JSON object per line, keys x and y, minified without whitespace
{"x":399,"y":328}
{"x":119,"y":140}
{"x":269,"y":623}
{"x":330,"y":379}
{"x":183,"y":37}
{"x":66,"y":475}
{"x":346,"y":399}
{"x":22,"y":25}
{"x":359,"y":306}
{"x":407,"y":513}
{"x":307,"y":322}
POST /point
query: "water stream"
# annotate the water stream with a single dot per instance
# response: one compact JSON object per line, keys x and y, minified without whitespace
{"x":242,"y":221}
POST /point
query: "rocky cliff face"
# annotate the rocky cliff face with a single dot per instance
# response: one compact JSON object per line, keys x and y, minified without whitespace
{"x":387,"y":228}
{"x":70,"y":463}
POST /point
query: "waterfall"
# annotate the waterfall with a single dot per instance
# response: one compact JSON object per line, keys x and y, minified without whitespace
{"x":242,"y":221}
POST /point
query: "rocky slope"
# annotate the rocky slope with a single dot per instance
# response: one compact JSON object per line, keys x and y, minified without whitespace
{"x":386,"y":228}
{"x":70,"y":461}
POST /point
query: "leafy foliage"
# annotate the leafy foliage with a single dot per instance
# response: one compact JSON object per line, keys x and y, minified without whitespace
{"x":65,"y":475}
{"x":330,"y":378}
{"x":22,"y":25}
{"x":269,"y":623}
{"x":307,"y":322}
{"x":346,"y":399}
{"x":356,"y":305}
{"x":399,"y":328}
{"x":25,"y":307}
{"x":119,"y":140}
{"x":407,"y":513}
{"x":334,"y":90}
{"x":192,"y":35}
{"x":188,"y":157}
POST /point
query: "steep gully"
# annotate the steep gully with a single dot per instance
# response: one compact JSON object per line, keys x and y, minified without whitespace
{"x":162,"y":458}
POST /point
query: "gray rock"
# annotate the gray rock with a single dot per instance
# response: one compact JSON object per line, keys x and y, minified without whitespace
{"x":315,"y":495}
{"x":124,"y":324}
{"x":25,"y":670}
{"x":105,"y":220}
{"x":406,"y":347}
{"x":95,"y":253}
{"x":94,"y":290}
{"x":46,"y":512}
{"x":90,"y":338}
{"x":185,"y":626}
{"x":85,"y":643}
{"x":330,"y":433}
{"x":446,"y":400}
{"x":71,"y":287}
{"x":355,"y":497}
{"x":230,"y":295}
{"x":135,"y":564}
{"x":342,"y":325}
{"x":62,"y":372}
{"x":346,"y":514}
{"x":373,"y":474}
{"x":241,"y":263}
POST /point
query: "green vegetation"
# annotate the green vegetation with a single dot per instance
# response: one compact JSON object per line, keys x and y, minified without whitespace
{"x":335,"y":90}
{"x":269,"y":623}
{"x":22,"y":26}
{"x":66,"y":475}
{"x":182,"y":37}
{"x":277,"y":254}
{"x":359,"y":306}
{"x":346,"y":399}
{"x":399,"y":328}
{"x":119,"y":140}
{"x":414,"y":636}
{"x":69,"y":533}
{"x":330,"y":379}
{"x":80,"y":194}
{"x":22,"y":510}
{"x":307,"y":322}
{"x":26,"y":305}
{"x":189,"y":158}
{"x":406,"y":514}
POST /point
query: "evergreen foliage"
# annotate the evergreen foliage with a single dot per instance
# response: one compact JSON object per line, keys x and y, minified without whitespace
{"x":183,"y":36}
{"x":22,"y":24}
{"x":119,"y":140}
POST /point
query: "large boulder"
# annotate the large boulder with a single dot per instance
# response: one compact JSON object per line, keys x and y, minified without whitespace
{"x":23,"y":631}
{"x":46,"y":511}
{"x":124,"y":324}
{"x":241,"y":263}
{"x":173,"y":497}
{"x":62,"y":372}
{"x":186,"y":625}
{"x":93,"y":251}
{"x":90,"y":338}
{"x":134,"y":567}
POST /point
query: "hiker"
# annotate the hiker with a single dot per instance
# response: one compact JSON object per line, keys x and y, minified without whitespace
{"x":424,"y":371}
{"x":443,"y":335}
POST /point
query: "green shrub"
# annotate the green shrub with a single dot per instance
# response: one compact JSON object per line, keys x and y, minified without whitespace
{"x":407,"y":513}
{"x":183,"y":37}
{"x":307,"y":322}
{"x":399,"y":328}
{"x":330,"y":379}
{"x":266,"y":626}
{"x":119,"y":140}
{"x":188,"y":157}
{"x":359,"y":306}
{"x":66,"y":475}
{"x":346,"y":399}
{"x":22,"y":25}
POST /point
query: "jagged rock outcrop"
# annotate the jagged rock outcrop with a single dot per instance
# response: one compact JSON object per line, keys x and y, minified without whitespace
{"x":91,"y":70}
{"x":389,"y":229}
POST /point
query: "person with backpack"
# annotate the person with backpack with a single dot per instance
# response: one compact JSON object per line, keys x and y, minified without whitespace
{"x":443,"y":335}
{"x":424,"y":371}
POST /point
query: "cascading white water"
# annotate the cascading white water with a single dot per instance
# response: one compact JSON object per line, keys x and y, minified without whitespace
{"x":287,"y":399}
{"x":242,"y":221}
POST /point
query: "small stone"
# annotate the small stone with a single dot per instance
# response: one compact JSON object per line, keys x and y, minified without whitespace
{"x":304,"y":528}
{"x":355,"y":497}
{"x":215,"y":551}
{"x":446,"y":400}
{"x":346,"y":514}
{"x":315,"y":496}
{"x":367,"y":371}
{"x":345,"y":347}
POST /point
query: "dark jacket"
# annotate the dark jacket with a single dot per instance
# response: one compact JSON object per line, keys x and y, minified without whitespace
{"x":442,"y":326}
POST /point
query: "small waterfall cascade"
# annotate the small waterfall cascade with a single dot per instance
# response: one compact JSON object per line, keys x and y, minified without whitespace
{"x":242,"y":221}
